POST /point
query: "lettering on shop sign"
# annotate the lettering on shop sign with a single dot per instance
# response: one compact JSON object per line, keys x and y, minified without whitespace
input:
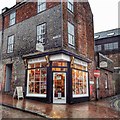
{"x":57,"y":36}
{"x":18,"y":92}
{"x":103,"y":64}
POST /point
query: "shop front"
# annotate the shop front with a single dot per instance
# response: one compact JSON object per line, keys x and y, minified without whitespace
{"x":57,"y":79}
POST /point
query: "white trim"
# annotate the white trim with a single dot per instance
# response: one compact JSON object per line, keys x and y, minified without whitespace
{"x":36,"y":95}
{"x":36,"y":60}
{"x":82,"y":95}
{"x":77,"y":61}
{"x":59,"y":57}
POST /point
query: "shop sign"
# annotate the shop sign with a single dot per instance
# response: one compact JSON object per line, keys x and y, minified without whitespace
{"x":97,"y":73}
{"x":40,"y":47}
{"x":103,"y":64}
{"x":18,"y":92}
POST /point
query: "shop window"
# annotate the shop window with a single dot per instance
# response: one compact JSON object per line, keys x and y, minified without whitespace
{"x":37,"y":79}
{"x":79,"y":83}
{"x":41,"y":5}
{"x":59,"y":69}
{"x":59,"y":63}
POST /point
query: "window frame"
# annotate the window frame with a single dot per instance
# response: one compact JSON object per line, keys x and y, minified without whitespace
{"x":43,"y":36}
{"x":87,"y":82}
{"x":70,"y":5}
{"x":71,"y":43}
{"x":11,"y":44}
{"x":39,"y":4}
{"x":28,"y":81}
{"x":12,"y":18}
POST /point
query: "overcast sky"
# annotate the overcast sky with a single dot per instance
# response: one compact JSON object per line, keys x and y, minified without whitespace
{"x":105,"y":13}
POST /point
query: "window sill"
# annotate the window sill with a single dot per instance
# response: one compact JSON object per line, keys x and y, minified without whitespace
{"x":35,"y":95}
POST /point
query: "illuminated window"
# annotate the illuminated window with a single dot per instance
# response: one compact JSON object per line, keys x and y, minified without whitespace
{"x":79,"y":82}
{"x":37,"y":79}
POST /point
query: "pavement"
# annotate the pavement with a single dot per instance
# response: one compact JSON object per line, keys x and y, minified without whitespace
{"x":106,"y":108}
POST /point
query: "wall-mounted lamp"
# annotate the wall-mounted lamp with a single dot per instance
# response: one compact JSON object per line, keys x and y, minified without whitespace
{"x":47,"y":60}
{"x":25,"y":63}
{"x":72,"y":61}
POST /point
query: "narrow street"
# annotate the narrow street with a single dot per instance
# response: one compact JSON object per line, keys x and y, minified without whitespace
{"x":13,"y":113}
{"x":104,"y":108}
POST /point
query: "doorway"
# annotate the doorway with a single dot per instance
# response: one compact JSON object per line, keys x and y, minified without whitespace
{"x":8,"y":77}
{"x":59,"y":87}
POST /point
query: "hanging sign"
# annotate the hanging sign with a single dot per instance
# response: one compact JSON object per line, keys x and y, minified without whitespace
{"x":18,"y":92}
{"x":40,"y":47}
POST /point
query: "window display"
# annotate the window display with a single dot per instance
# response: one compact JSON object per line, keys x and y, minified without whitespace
{"x":37,"y":78}
{"x":79,"y":81}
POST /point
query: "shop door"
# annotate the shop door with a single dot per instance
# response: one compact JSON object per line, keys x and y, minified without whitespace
{"x":8,"y":77}
{"x":59,"y":87}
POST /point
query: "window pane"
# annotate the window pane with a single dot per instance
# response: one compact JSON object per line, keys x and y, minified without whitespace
{"x":79,"y":82}
{"x":59,"y":64}
{"x":115,"y":45}
{"x":41,"y":31}
{"x":12,"y":18}
{"x":70,"y":5}
{"x":37,"y":81}
{"x":71,"y":39}
{"x":41,"y":5}
{"x":10,"y":44}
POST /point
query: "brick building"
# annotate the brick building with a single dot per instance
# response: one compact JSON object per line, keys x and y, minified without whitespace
{"x":48,"y":49}
{"x":108,"y":43}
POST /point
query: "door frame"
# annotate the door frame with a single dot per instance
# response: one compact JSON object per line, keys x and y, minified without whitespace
{"x":8,"y":78}
{"x":65,"y":98}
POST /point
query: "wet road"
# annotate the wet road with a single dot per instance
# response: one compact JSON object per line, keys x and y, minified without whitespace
{"x":100,"y":109}
{"x":13,"y":113}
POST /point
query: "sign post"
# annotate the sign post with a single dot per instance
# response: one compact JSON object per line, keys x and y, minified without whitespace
{"x":97,"y":75}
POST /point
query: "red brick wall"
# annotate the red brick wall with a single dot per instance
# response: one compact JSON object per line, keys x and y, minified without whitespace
{"x":103,"y":92}
{"x":84,"y":34}
{"x":26,"y":11}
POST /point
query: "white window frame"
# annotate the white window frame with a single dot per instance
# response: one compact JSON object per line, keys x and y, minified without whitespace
{"x":10,"y":44}
{"x":41,"y":32}
{"x":70,"y":5}
{"x":41,"y":6}
{"x":12,"y":18}
{"x":37,"y":94}
{"x":71,"y":34}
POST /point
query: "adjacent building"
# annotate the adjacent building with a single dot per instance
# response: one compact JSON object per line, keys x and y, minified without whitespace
{"x":48,"y":49}
{"x":108,"y":43}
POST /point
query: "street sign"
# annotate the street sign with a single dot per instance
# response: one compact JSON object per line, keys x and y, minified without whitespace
{"x":97,"y":73}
